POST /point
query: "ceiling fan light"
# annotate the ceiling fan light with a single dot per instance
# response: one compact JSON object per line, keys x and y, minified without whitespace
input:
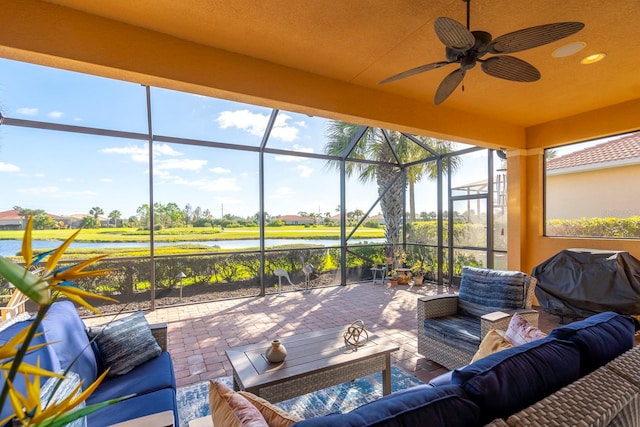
{"x":568,"y":49}
{"x":592,"y":59}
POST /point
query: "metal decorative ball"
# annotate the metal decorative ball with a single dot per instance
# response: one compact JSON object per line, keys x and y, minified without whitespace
{"x":356,"y":334}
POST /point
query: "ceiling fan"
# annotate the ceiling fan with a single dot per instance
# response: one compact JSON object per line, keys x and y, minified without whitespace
{"x":467,"y":48}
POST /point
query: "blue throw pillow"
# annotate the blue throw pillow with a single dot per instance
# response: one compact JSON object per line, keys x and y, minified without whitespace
{"x":66,"y":331}
{"x":600,"y":338}
{"x":503,"y":383}
{"x":445,"y":406}
{"x":125,"y":343}
{"x":484,"y":290}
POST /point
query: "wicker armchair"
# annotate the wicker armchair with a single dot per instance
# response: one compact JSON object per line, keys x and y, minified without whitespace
{"x":451,"y":326}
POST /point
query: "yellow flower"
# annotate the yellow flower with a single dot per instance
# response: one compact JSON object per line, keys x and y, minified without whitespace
{"x":29,"y":409}
{"x":10,"y":349}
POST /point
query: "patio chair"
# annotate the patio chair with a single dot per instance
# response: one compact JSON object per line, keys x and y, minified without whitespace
{"x":450,"y":326}
{"x":15,"y":306}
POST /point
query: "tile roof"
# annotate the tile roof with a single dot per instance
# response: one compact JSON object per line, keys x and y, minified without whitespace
{"x":625,"y":148}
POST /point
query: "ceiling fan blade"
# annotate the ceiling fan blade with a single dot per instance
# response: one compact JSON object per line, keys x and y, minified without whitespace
{"x":448,"y":85}
{"x":510,"y":68}
{"x":531,"y":37}
{"x":414,"y":71}
{"x":453,"y":34}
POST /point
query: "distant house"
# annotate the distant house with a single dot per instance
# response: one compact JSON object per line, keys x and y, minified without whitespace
{"x":10,"y":220}
{"x":596,"y":182}
{"x":296,"y":220}
{"x":75,"y":220}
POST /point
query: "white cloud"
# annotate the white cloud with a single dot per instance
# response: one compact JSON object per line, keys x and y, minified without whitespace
{"x":39,"y":190}
{"x":55,"y":114}
{"x":256,"y":124}
{"x":8,"y":167}
{"x":221,"y":185}
{"x":140,"y":153}
{"x":219,"y":169}
{"x":26,"y":111}
{"x":39,"y":175}
{"x":297,"y":148}
{"x":301,"y":123}
{"x":68,"y":179}
{"x":305,"y":171}
{"x":216,"y":185}
{"x":182,"y":164}
{"x":282,"y":193}
{"x":106,"y":180}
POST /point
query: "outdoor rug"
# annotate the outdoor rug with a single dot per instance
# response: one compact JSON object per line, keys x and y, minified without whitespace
{"x":193,"y":400}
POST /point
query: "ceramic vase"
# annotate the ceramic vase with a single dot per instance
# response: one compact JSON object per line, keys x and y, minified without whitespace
{"x":276,"y":353}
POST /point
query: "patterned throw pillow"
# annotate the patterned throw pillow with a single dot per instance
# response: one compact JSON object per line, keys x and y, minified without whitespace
{"x":125,"y":343}
{"x":520,"y":331}
{"x":51,"y":392}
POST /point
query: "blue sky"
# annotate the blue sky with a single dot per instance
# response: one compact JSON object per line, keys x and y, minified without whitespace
{"x":68,"y":173}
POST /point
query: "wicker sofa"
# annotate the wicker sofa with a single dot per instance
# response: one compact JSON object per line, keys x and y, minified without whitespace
{"x":583,"y":374}
{"x":586,"y":374}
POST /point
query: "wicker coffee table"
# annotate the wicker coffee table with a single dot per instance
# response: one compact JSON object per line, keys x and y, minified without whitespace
{"x":315,"y":360}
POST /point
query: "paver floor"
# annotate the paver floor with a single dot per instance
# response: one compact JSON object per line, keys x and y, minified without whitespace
{"x":199,"y":334}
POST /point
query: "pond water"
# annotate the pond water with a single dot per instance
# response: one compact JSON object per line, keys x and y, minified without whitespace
{"x":11,"y":247}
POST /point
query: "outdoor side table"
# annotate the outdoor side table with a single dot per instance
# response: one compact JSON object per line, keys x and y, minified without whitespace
{"x":383,"y":273}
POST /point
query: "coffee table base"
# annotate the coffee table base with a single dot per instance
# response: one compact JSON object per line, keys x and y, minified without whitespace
{"x":308,"y":383}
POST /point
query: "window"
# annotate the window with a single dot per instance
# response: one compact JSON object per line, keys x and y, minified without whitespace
{"x":591,"y":188}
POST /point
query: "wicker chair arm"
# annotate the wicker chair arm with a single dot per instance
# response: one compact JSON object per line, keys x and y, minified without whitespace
{"x":501,"y":319}
{"x":437,"y":306}
{"x":160,"y":333}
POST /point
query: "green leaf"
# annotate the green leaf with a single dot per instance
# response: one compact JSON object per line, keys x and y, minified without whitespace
{"x":28,"y":283}
{"x":62,"y":420}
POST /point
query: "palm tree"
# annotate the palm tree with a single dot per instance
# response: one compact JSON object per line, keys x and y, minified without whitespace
{"x":96,"y":212}
{"x":115,"y":215}
{"x":376,"y":144}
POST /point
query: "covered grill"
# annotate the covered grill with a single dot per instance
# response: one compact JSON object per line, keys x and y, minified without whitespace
{"x":581,"y":282}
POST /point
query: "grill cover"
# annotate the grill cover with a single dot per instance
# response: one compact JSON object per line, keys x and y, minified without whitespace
{"x":582,"y":282}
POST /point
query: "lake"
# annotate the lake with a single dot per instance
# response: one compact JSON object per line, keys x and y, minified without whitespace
{"x":11,"y":247}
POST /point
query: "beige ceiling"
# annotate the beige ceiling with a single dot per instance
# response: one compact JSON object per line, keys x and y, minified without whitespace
{"x":360,"y":42}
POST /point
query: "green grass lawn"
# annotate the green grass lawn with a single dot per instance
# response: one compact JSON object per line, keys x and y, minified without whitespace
{"x":188,"y":234}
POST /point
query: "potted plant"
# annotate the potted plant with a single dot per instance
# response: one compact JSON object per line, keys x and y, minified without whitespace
{"x":418,"y":271}
{"x":393,"y":278}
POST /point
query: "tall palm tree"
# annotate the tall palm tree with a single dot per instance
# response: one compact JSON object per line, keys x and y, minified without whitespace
{"x":375,"y":144}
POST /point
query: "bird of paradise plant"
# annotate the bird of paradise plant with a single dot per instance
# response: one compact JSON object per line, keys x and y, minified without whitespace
{"x":43,"y":289}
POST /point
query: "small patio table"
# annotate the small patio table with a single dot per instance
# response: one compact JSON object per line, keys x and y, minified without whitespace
{"x":315,"y":360}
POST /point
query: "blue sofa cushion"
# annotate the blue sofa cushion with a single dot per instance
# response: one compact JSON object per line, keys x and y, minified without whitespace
{"x":600,"y":338}
{"x":66,"y":331}
{"x":510,"y":380}
{"x":153,"y":375}
{"x":445,"y":406}
{"x":484,"y":291}
{"x":458,"y":330}
{"x":138,"y":406}
{"x":47,"y":356}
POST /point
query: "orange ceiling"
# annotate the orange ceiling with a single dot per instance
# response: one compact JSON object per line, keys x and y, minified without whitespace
{"x":357,"y":43}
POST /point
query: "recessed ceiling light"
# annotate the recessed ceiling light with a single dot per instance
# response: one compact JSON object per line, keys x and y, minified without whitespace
{"x":592,"y":59}
{"x":568,"y":49}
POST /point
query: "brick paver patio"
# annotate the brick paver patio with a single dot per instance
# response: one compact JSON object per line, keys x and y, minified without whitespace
{"x":199,"y":334}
